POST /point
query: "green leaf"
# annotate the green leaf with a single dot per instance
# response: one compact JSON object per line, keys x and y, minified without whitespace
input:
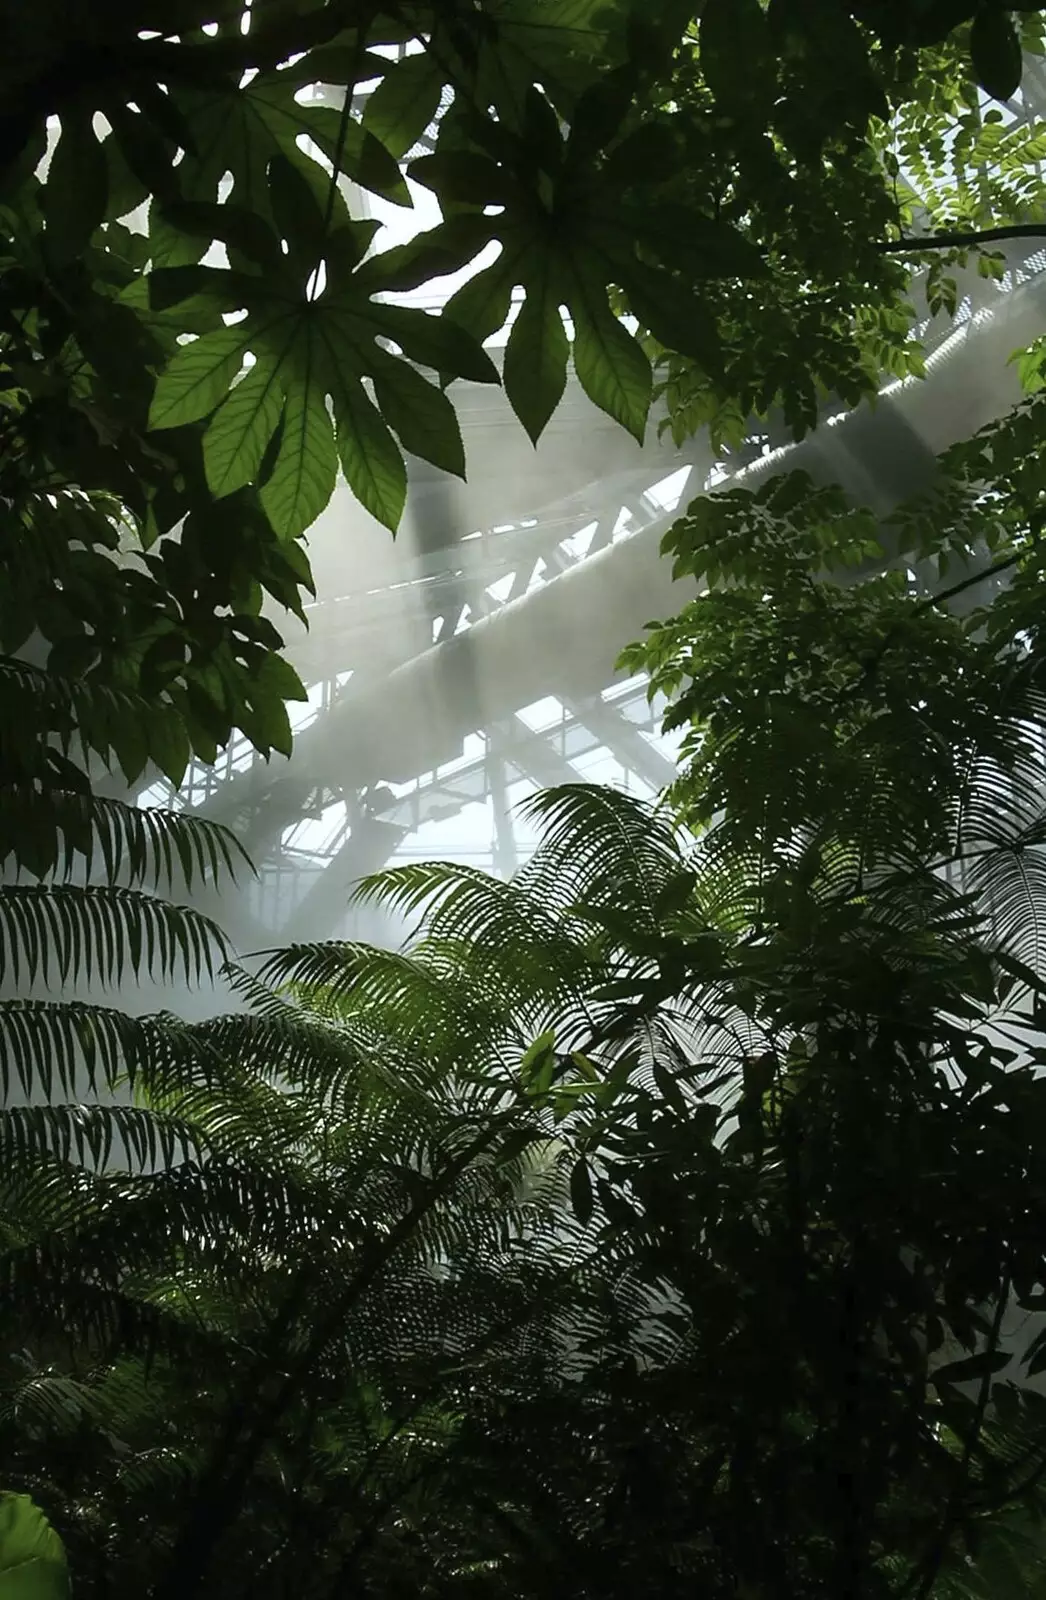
{"x":535,"y":369}
{"x":76,"y":192}
{"x":303,"y":476}
{"x":611,"y":366}
{"x":125,"y":192}
{"x":238,"y":433}
{"x":32,"y":1556}
{"x":297,"y":212}
{"x":602,"y":109}
{"x":419,"y":413}
{"x":237,"y":227}
{"x":669,"y":1088}
{"x":170,"y":245}
{"x":198,"y":377}
{"x":239,"y":130}
{"x":405,"y":103}
{"x":370,"y":457}
{"x":266,"y":723}
{"x":995,"y":50}
{"x":483,"y":303}
{"x":146,"y":153}
{"x":464,"y":176}
{"x":366,"y":160}
{"x":436,"y":342}
{"x":581,"y":1191}
{"x":538,"y":1063}
{"x":173,"y":286}
{"x":169,"y":743}
{"x":987,"y":1361}
{"x":518,"y":1140}
{"x":277,"y":676}
{"x":674,"y":317}
{"x":446,"y":248}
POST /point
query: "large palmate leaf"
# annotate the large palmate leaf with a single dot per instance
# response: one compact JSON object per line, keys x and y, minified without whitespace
{"x":239,"y":129}
{"x":405,"y":103}
{"x":310,"y":346}
{"x":32,"y":1557}
{"x":552,"y":42}
{"x":571,"y":229}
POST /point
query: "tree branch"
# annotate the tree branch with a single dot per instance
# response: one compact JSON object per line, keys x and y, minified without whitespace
{"x":962,"y":241}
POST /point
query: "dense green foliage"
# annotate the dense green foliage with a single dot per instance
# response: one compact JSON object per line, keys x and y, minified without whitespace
{"x":160,"y":460}
{"x":652,"y":1224}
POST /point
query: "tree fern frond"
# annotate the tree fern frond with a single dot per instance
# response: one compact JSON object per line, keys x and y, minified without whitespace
{"x":62,"y":1047}
{"x":258,"y":996}
{"x":48,"y":1401}
{"x":413,"y":1000}
{"x":101,"y":933}
{"x":600,"y":843}
{"x":515,"y":943}
{"x":1011,"y":884}
{"x":99,"y":1136}
{"x":336,"y":1067}
{"x":53,"y":830}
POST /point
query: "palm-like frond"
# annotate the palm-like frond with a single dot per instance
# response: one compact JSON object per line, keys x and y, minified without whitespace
{"x":94,"y":1136}
{"x":58,"y":831}
{"x":407,"y":996}
{"x":79,"y":715}
{"x":101,"y":932}
{"x":601,"y":846}
{"x":68,"y":1047}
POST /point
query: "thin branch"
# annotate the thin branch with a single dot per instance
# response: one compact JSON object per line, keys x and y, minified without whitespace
{"x":1001,"y":565}
{"x":961,"y":241}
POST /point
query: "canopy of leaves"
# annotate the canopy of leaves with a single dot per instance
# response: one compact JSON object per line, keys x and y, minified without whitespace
{"x":196,"y":336}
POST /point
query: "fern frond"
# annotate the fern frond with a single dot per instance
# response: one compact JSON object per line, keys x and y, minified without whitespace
{"x":503,"y":924}
{"x":101,"y":933}
{"x":54,"y":831}
{"x":413,"y":1000}
{"x":98,"y":1136}
{"x":1011,"y":885}
{"x":62,"y":1047}
{"x":601,"y":844}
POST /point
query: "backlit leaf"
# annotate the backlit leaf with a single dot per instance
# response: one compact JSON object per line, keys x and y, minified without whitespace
{"x":236,"y":437}
{"x":581,"y":1191}
{"x":198,"y":377}
{"x":77,"y":188}
{"x":420,"y":414}
{"x":612,"y":368}
{"x":405,"y":102}
{"x":303,"y":477}
{"x":438,"y":343}
{"x":995,"y":49}
{"x":370,"y":457}
{"x":535,"y":370}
